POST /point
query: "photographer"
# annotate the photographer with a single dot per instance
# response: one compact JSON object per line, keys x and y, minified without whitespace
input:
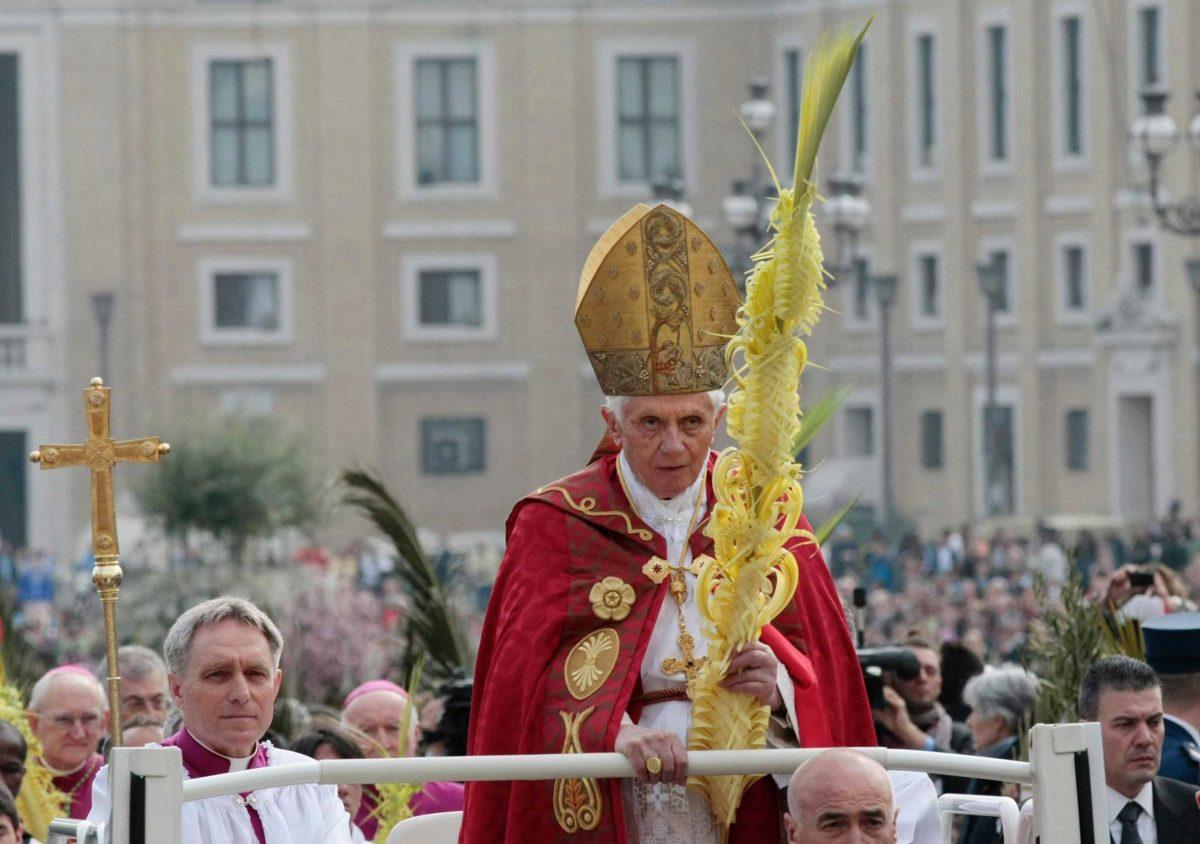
{"x":1145,"y":592}
{"x":911,"y":717}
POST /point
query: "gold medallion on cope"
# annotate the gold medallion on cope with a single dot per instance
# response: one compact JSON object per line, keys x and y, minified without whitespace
{"x":656,"y":306}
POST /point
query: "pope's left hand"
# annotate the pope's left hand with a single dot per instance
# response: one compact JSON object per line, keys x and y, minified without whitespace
{"x":752,"y":671}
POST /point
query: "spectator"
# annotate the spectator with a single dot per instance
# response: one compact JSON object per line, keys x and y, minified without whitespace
{"x":11,"y":830}
{"x":13,"y":751}
{"x":144,"y":692}
{"x":1001,"y":700}
{"x":1124,"y":696}
{"x":324,"y":743}
{"x":959,"y":664}
{"x":840,"y":795}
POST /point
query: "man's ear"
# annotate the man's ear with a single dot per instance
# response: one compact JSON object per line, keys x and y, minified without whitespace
{"x":175,"y":684}
{"x":610,"y":421}
{"x":34,"y":719}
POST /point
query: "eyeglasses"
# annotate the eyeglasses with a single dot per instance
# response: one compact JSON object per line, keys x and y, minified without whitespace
{"x":65,"y":721}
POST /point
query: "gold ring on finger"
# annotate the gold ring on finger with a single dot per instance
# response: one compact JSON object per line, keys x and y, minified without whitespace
{"x":653,"y":765}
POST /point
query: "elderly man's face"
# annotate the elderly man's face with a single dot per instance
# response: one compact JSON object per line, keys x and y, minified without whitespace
{"x":840,"y":799}
{"x":924,"y":690}
{"x":379,"y":717}
{"x":665,"y":438}
{"x":146,"y":697}
{"x":69,"y":721}
{"x":228,"y":688}
{"x":1131,"y":724}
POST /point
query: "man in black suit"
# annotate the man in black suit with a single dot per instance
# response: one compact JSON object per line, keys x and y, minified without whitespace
{"x":1124,"y":696}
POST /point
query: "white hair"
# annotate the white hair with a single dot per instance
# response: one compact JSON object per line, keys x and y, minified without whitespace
{"x":178,"y":645}
{"x":41,"y":688}
{"x":138,"y":662}
{"x":616,"y":404}
{"x":1008,"y":691}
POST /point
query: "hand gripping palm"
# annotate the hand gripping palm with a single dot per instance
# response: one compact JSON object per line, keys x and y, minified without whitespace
{"x":757,"y":483}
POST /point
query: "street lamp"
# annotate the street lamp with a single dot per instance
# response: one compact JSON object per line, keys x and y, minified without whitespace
{"x":102,"y":310}
{"x":848,"y":212}
{"x":747,"y":209}
{"x":1155,"y":134}
{"x":991,"y":285}
{"x":885,"y":295}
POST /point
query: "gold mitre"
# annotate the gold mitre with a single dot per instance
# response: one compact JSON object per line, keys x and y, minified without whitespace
{"x":656,"y":306}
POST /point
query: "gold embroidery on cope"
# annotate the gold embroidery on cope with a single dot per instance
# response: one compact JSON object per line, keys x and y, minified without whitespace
{"x":611,"y":599}
{"x":590,"y":663}
{"x":587,"y":506}
{"x":577,"y":802}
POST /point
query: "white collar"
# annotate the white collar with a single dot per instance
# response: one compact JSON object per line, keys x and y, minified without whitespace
{"x":1117,"y":801}
{"x":234,"y":764}
{"x":1192,"y":732}
{"x":669,"y":515}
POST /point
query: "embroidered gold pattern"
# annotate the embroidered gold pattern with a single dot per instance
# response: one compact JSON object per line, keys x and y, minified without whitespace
{"x":656,"y":569}
{"x":591,"y":662}
{"x":587,"y":506}
{"x":577,"y":802}
{"x":611,"y":598}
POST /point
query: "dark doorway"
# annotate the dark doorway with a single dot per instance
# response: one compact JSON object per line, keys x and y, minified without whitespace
{"x":13,"y":501}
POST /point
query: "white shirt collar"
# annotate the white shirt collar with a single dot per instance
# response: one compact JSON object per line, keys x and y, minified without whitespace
{"x":1117,"y":801}
{"x":665,"y":516}
{"x":1192,"y":732}
{"x":234,"y":764}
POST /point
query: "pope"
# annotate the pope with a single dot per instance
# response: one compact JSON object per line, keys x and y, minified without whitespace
{"x":592,"y":640}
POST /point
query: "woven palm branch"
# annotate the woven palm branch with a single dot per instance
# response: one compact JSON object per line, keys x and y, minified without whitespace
{"x":757,"y":483}
{"x":431,"y":627}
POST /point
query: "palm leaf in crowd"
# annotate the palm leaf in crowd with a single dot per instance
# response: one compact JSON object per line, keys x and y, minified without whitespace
{"x":432,"y":629}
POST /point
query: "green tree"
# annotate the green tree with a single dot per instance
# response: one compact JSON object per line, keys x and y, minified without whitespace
{"x":241,"y":479}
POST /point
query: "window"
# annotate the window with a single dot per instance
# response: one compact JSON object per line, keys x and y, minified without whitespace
{"x":648,"y":128}
{"x":860,"y":433}
{"x":858,"y":307}
{"x":11,"y":284}
{"x":931,"y":439}
{"x":245,"y":301}
{"x":929,"y":288}
{"x":1149,"y":39}
{"x":926,"y":80}
{"x":793,"y":71}
{"x":997,"y":92}
{"x":449,"y":297}
{"x":859,"y":148}
{"x":1144,"y":268}
{"x":452,"y":445}
{"x":1004,"y":303}
{"x":1072,"y":86}
{"x":1077,"y":440}
{"x":246,"y":402}
{"x":447,"y":117}
{"x":1074,"y":278}
{"x":242,"y":123}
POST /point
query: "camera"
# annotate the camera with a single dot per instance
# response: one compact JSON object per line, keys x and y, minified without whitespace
{"x":875,"y":661}
{"x":1141,"y":579}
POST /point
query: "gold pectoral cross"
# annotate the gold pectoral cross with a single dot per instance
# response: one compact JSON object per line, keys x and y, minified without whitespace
{"x":689,"y":665}
{"x":99,"y":454}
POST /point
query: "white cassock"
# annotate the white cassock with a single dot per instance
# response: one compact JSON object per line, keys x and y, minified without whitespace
{"x":670,"y":813}
{"x":293,"y":814}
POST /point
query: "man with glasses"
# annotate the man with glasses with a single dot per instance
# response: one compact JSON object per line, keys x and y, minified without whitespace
{"x":68,"y":712}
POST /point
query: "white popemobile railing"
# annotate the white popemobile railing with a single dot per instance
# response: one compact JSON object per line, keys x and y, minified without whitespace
{"x":1065,"y":774}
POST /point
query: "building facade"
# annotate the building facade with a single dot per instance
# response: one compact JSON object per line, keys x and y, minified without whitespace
{"x":368,"y":220}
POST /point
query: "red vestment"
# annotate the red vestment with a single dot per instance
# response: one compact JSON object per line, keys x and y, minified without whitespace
{"x":77,"y":785}
{"x":562,"y":540}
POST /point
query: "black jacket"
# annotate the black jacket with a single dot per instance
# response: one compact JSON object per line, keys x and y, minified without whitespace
{"x":1176,"y":812}
{"x":978,"y":829}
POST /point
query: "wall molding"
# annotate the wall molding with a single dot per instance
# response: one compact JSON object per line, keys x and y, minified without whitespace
{"x":437,"y":372}
{"x":450,"y":229}
{"x":267,"y":374}
{"x":243,"y":232}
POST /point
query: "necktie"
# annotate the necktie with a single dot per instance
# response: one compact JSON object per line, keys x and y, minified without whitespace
{"x":1128,"y":818}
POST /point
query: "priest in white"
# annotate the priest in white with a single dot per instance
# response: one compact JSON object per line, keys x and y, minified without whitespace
{"x":223,"y":670}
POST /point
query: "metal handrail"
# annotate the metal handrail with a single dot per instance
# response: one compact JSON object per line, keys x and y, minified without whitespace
{"x":551,"y":766}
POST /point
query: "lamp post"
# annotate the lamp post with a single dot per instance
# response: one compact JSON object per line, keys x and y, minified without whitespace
{"x":746,"y":210}
{"x":1156,"y":134}
{"x":848,"y":212}
{"x":102,"y":309}
{"x":885,"y":295}
{"x":991,"y":285}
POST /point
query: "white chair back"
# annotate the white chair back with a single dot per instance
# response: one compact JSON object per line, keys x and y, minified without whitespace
{"x":441,"y":828}
{"x":1004,"y":808}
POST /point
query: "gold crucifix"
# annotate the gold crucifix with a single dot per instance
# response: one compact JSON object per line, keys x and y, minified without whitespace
{"x":689,"y":665}
{"x":99,"y":454}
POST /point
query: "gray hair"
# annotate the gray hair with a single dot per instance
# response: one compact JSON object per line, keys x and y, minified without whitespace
{"x":616,"y":404}
{"x":41,"y":688}
{"x":1113,"y":674}
{"x":137,"y":662}
{"x":178,"y":645}
{"x":1009,"y":691}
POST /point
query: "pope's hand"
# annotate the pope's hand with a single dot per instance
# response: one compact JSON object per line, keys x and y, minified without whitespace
{"x":638,"y":744}
{"x":753,"y":671}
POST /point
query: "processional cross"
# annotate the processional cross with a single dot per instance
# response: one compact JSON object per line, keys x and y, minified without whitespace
{"x":99,"y":454}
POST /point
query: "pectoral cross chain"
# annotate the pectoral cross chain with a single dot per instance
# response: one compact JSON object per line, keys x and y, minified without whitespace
{"x":690,"y":664}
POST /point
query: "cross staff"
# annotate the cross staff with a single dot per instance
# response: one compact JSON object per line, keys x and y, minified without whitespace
{"x":99,"y":454}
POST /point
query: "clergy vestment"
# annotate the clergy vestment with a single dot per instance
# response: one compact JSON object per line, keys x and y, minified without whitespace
{"x":574,"y":637}
{"x":293,"y":814}
{"x":77,"y":785}
{"x":434,"y":797}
